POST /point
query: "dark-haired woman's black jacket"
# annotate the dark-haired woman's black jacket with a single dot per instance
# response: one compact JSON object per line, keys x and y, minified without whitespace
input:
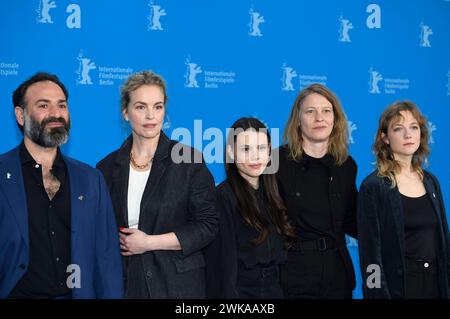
{"x":231,"y":250}
{"x":382,"y":238}
{"x":179,"y":198}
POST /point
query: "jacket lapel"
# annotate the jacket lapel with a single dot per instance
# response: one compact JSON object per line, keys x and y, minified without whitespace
{"x":11,"y":182}
{"x":158,"y":168}
{"x":121,"y":177}
{"x":77,"y":198}
{"x":432,"y":194}
{"x":395,"y":201}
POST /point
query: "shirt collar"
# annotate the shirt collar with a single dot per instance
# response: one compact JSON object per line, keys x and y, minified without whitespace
{"x":58,"y":167}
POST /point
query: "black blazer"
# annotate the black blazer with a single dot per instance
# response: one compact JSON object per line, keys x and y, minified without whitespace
{"x":342,"y":196}
{"x":382,"y":235}
{"x":178,"y":197}
{"x":221,"y":253}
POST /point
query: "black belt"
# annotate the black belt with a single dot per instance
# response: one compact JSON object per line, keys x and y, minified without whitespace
{"x":320,"y":244}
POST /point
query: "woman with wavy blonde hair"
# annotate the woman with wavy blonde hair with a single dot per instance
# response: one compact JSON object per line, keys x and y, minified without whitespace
{"x":317,"y":181}
{"x":387,"y":165}
{"x":403,"y":230}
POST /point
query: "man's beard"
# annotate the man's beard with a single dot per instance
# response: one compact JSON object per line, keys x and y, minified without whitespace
{"x":53,"y":137}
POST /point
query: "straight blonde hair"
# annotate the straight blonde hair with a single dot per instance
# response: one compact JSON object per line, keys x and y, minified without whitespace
{"x":338,"y":141}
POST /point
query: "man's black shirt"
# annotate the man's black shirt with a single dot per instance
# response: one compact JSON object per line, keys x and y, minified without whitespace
{"x":49,"y":229}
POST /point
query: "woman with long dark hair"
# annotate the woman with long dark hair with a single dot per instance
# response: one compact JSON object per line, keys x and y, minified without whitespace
{"x":244,"y":259}
{"x":404,"y":241}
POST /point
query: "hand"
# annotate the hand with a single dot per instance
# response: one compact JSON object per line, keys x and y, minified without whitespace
{"x":135,"y":243}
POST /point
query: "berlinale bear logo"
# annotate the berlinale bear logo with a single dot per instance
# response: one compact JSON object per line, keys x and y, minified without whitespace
{"x":255,"y":20}
{"x":345,"y":26}
{"x":156,"y":12}
{"x":84,"y":67}
{"x":374,"y":78}
{"x":288,"y":74}
{"x":425,"y":32}
{"x":192,"y":70}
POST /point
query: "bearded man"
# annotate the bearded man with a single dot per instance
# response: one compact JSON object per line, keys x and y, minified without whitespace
{"x":58,"y":235}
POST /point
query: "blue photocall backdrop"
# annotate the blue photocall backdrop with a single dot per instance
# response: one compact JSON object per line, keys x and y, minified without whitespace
{"x":225,"y":59}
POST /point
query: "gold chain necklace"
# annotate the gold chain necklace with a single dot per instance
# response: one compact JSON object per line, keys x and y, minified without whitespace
{"x":136,"y":164}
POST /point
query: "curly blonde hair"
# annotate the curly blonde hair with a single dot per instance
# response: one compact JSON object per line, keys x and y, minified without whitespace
{"x":386,"y":164}
{"x":338,"y":141}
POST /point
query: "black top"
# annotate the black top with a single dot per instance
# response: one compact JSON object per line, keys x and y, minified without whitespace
{"x":309,"y":186}
{"x":420,"y":227}
{"x":49,"y":231}
{"x":313,"y":217}
{"x":270,"y":252}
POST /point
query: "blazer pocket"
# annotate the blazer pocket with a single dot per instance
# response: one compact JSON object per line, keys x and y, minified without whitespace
{"x":190,"y":262}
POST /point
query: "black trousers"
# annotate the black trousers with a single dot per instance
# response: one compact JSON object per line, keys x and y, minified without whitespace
{"x":259,"y":283}
{"x":421,"y":279}
{"x":315,"y":275}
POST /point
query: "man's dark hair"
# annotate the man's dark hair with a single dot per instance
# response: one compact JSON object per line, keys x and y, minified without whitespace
{"x":19,"y":93}
{"x":18,"y":97}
